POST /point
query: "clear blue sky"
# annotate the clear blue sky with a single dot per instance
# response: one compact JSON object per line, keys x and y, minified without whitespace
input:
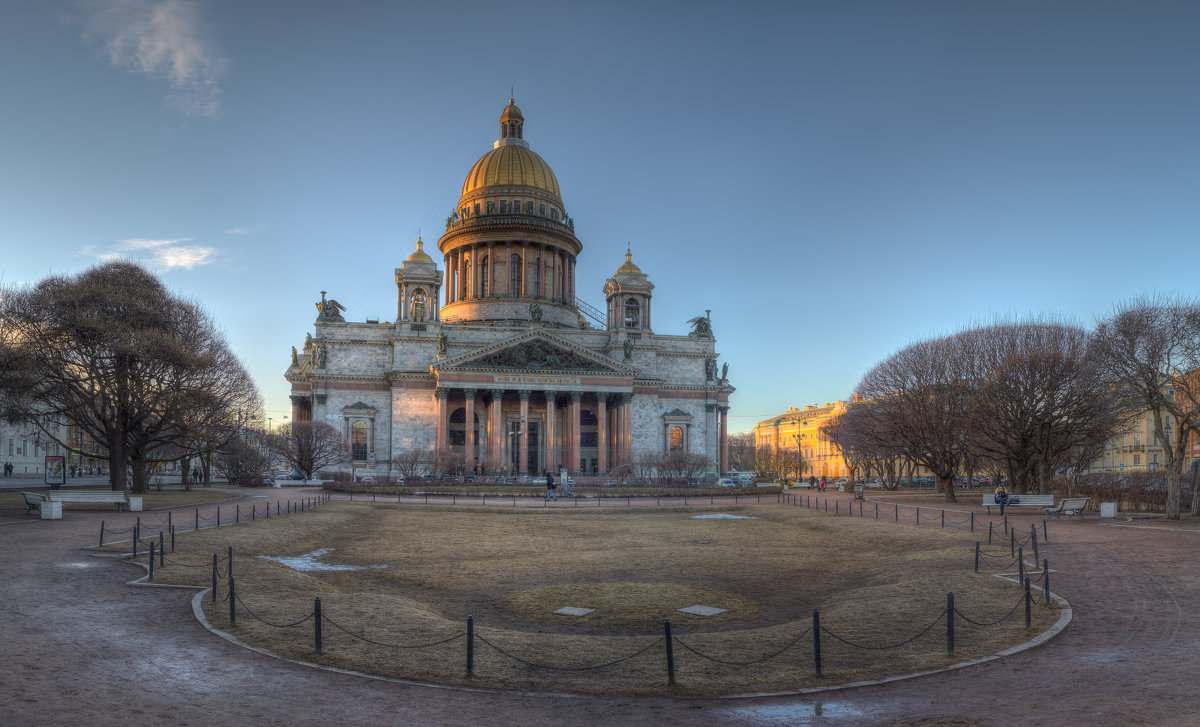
{"x":832,"y":179}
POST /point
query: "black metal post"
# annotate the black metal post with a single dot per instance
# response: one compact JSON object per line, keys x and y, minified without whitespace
{"x":101,"y":533}
{"x":214,"y":569}
{"x":170,"y":522}
{"x":1021,"y":563}
{"x":836,"y":508}
{"x":1006,"y":524}
{"x":1012,"y":542}
{"x":943,"y":519}
{"x":918,"y":516}
{"x":990,"y":527}
{"x":232,"y":601}
{"x":896,"y":512}
{"x":135,"y":544}
{"x":1045,"y":538}
{"x":1028,"y":606}
{"x":470,"y":645}
{"x":237,"y":518}
{"x":253,"y":512}
{"x":218,"y":516}
{"x":976,"y":556}
{"x":816,"y":628}
{"x":172,"y":538}
{"x":161,"y":550}
{"x":197,"y":519}
{"x":950,"y":622}
{"x":670,"y":652}
{"x":1046,"y":581}
{"x":317,"y":625}
{"x":231,"y":561}
{"x":972,"y":522}
{"x":1033,"y":539}
{"x":151,"y":559}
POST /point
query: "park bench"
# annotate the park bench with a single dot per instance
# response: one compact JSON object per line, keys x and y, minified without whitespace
{"x":34,"y":500}
{"x":989,"y":501}
{"x":1069,"y":506}
{"x":113,"y":496}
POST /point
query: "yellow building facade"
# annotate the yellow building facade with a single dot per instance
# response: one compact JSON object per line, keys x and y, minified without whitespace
{"x":1136,"y":450}
{"x":800,"y":430}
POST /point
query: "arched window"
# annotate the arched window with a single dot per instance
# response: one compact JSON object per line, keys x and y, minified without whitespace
{"x":468,"y":276}
{"x":418,"y":304}
{"x":514,"y":276}
{"x":358,"y":440}
{"x":632,"y":313}
{"x":483,"y":276}
{"x":537,"y":276}
{"x":676,"y":439}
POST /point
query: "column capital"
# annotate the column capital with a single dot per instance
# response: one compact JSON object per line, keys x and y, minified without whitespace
{"x":626,"y":398}
{"x":551,"y":395}
{"x":723,"y":409}
{"x":441,"y":392}
{"x":524,"y":394}
{"x":470,"y":393}
{"x":576,"y":396}
{"x":710,"y":407}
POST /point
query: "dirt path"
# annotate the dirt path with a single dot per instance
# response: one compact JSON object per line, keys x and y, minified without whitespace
{"x":82,"y":647}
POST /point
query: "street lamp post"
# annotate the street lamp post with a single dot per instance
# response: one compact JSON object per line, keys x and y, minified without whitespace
{"x":516,"y":443}
{"x":799,"y":456}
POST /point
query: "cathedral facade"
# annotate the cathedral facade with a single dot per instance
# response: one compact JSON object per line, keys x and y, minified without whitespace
{"x":492,"y":364}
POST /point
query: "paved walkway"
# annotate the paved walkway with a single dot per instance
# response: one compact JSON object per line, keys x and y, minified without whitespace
{"x":83,"y":648}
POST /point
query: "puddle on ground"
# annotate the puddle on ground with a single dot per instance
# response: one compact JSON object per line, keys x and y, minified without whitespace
{"x":794,"y":715}
{"x":308,"y":562}
{"x":723,"y":516}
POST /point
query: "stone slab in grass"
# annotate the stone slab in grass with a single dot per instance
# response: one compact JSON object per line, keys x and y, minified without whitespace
{"x":574,"y":611}
{"x":703,"y":610}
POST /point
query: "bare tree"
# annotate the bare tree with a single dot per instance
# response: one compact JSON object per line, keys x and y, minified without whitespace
{"x":681,"y":466}
{"x":917,"y":405}
{"x":310,"y":446}
{"x":411,"y":463}
{"x":1041,"y":398}
{"x":113,"y":352}
{"x":741,"y":451}
{"x":1150,"y":349}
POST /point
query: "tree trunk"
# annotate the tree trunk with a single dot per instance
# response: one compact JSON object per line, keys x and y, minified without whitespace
{"x":116,"y":461}
{"x":1195,"y":490}
{"x":947,"y":485}
{"x":1044,"y":476}
{"x":185,"y":473}
{"x":206,"y":467}
{"x":140,"y":472}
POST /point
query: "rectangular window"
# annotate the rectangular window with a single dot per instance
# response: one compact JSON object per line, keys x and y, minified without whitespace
{"x":529,"y":208}
{"x":1137,"y":459}
{"x":554,"y":214}
{"x":476,"y":209}
{"x":542,"y":209}
{"x":491,"y":208}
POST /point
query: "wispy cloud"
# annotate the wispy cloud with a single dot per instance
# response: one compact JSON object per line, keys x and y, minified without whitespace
{"x":244,"y":230}
{"x":161,"y":254}
{"x":162,"y":39}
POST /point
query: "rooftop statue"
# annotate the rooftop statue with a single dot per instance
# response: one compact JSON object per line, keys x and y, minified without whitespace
{"x":702,"y":326}
{"x":330,"y":311}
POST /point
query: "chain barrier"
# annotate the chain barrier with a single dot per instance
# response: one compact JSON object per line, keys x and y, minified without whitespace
{"x":952,"y":521}
{"x":260,"y":618}
{"x":989,"y":562}
{"x":118,"y":532}
{"x":187,"y":565}
{"x":1003,"y":618}
{"x":760,"y":660}
{"x":536,"y":665}
{"x":924,"y":631}
{"x":325,"y":619}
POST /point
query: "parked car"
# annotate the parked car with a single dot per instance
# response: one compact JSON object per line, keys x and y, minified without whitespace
{"x":727,"y":482}
{"x":367,"y":479}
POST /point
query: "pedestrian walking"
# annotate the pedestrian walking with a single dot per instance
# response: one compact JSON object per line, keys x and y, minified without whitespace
{"x":822,"y":484}
{"x":550,"y":488}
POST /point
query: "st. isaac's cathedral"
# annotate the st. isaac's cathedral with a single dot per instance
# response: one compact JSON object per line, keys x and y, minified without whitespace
{"x":507,"y":374}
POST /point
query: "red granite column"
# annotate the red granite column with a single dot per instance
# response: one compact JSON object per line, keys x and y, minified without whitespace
{"x":601,"y":432}
{"x":469,"y":394}
{"x":551,"y":435}
{"x":523,"y":459}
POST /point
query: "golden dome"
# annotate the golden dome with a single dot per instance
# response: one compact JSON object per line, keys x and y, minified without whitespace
{"x":511,"y":165}
{"x":511,"y":112}
{"x":628,"y":267}
{"x":419,"y":255}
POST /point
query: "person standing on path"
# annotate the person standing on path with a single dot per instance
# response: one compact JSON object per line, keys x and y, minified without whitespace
{"x":550,"y":488}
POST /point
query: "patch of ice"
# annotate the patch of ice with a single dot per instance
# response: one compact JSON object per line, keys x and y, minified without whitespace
{"x":574,"y":611}
{"x":703,"y":610}
{"x":308,"y":562}
{"x":723,"y":516}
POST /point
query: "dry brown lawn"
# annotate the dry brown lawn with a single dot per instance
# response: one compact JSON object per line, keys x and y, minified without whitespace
{"x":876,"y":584}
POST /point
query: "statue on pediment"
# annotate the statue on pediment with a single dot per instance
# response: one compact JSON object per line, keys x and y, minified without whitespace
{"x":295,"y":357}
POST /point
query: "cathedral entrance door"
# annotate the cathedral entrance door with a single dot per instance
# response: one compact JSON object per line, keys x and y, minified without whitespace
{"x":534,"y":439}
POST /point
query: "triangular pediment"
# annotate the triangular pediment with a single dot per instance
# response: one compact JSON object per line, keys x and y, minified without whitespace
{"x":536,"y":351}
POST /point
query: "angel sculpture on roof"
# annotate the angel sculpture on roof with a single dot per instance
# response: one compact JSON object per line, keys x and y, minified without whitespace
{"x":330,"y":311}
{"x":702,"y":326}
